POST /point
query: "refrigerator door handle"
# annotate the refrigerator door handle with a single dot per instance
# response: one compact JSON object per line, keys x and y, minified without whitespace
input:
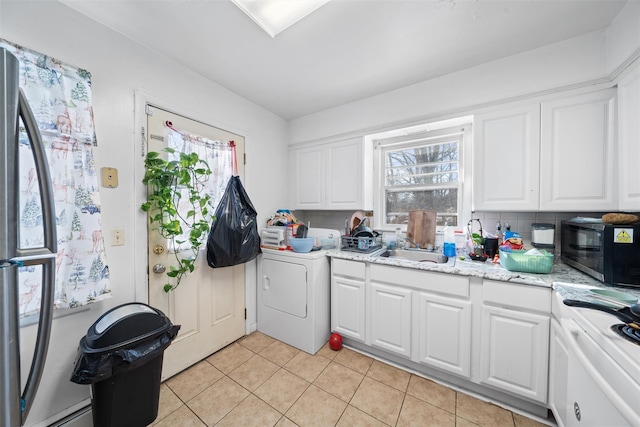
{"x":46,"y":256}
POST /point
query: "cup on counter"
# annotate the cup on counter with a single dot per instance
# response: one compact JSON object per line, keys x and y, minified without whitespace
{"x":491,"y":246}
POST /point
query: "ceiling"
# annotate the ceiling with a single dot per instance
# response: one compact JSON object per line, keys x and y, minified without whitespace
{"x":347,"y":49}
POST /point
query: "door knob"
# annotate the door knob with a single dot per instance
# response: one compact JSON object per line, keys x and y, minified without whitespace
{"x":159,"y":268}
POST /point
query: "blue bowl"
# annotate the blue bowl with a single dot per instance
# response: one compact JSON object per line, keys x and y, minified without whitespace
{"x":301,"y":244}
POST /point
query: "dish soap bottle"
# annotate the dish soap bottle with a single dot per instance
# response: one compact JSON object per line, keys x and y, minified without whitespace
{"x":449,"y":241}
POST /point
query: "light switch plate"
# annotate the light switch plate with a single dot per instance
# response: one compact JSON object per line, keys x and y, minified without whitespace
{"x":109,"y":177}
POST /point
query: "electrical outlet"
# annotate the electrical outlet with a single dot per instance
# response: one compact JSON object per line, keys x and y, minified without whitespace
{"x":117,"y":237}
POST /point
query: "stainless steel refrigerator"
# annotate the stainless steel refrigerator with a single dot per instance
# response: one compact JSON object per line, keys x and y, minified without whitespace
{"x":16,"y":393}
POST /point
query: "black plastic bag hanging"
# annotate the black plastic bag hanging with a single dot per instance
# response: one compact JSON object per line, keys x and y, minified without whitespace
{"x":234,"y":237}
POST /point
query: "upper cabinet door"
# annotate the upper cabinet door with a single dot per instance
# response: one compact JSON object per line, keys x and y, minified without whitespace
{"x":335,"y":175}
{"x":506,"y":159}
{"x":577,"y":153}
{"x":308,"y":177}
{"x":344,"y":178}
{"x":629,"y":140}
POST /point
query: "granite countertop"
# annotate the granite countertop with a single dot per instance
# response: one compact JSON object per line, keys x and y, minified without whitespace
{"x":486,"y":270}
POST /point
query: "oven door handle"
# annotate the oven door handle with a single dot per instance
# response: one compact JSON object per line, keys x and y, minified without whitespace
{"x":572,"y":333}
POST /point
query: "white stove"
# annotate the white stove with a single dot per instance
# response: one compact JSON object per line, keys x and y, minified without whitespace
{"x":603,"y":368}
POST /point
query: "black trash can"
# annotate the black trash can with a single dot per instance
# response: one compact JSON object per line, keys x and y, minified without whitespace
{"x":121,"y":357}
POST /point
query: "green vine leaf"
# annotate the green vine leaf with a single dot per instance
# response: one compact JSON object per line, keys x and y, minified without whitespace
{"x":167,"y":181}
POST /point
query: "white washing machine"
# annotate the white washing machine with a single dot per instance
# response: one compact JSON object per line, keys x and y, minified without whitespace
{"x":294,"y":294}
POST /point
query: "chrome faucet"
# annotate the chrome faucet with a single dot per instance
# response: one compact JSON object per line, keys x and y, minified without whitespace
{"x":412,"y":242}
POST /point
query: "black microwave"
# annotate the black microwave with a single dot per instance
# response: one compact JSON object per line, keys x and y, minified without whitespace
{"x":610,"y":253}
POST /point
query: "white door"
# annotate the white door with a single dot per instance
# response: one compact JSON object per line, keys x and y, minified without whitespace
{"x":209,"y":304}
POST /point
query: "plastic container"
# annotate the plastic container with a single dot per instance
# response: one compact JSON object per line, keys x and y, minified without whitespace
{"x":121,"y":357}
{"x":449,"y":241}
{"x":518,"y":261}
{"x":542,"y":233}
{"x":302,"y":244}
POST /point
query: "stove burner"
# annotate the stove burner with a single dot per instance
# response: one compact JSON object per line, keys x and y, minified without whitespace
{"x":627,"y":332}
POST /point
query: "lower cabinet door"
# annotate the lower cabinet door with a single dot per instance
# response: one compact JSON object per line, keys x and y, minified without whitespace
{"x":558,"y":374}
{"x":514,"y":354}
{"x":390,"y":318}
{"x":443,"y":333}
{"x":348,"y":307}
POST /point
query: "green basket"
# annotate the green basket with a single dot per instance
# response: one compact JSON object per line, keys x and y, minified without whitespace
{"x":518,"y":261}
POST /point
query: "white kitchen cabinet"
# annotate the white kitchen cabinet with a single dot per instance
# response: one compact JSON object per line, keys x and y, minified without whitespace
{"x":442,"y":332}
{"x":514,"y":352}
{"x":506,"y":168}
{"x":336,"y":175}
{"x":629,"y":139}
{"x":577,"y":153}
{"x":308,"y":170}
{"x":514,"y":349}
{"x":557,"y":155}
{"x":558,"y":374}
{"x":390,"y":318}
{"x":348,"y":298}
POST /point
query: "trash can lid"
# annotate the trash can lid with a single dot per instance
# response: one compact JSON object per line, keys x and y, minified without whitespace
{"x":124,"y":325}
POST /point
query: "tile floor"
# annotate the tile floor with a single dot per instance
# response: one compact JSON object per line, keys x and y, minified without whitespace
{"x":259,"y":381}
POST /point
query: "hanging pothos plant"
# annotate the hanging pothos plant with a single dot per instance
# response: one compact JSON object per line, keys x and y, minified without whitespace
{"x":168,"y":181}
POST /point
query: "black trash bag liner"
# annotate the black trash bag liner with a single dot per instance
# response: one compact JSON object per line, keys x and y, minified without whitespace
{"x":234,"y":237}
{"x":92,"y":367}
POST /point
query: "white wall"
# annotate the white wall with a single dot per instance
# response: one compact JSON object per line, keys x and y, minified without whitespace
{"x":623,"y":35}
{"x":119,"y":67}
{"x":584,"y":60}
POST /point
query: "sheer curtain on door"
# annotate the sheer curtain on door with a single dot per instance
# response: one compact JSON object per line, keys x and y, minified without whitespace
{"x":218,"y":155}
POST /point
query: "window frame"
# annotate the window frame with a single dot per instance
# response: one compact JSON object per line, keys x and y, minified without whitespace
{"x":382,"y":144}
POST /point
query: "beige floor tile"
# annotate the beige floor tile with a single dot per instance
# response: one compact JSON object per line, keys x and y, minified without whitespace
{"x":256,"y":341}
{"x":418,"y":413}
{"x":215,"y":402}
{"x":522,"y":421}
{"x":326,"y":351}
{"x":286,"y":422}
{"x":339,"y":381}
{"x":282,"y":390}
{"x":481,"y":412}
{"x":354,"y":360}
{"x":254,"y":372}
{"x":378,"y":400}
{"x":168,"y":403}
{"x":354,"y":417}
{"x":187,"y":384}
{"x":433,"y":393}
{"x":251,"y":412}
{"x":279,"y":353}
{"x":230,"y":357}
{"x":306,"y":366}
{"x":389,"y":375}
{"x":316,"y":407}
{"x":182,"y":417}
{"x":461,"y":422}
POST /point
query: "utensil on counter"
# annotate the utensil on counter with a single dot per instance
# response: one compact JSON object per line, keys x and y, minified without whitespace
{"x":301,"y":231}
{"x":629,"y":314}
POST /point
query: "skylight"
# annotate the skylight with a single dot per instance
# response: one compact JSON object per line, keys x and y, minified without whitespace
{"x":274,"y":16}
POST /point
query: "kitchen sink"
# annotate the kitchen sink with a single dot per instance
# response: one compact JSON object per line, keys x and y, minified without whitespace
{"x":415,"y":255}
